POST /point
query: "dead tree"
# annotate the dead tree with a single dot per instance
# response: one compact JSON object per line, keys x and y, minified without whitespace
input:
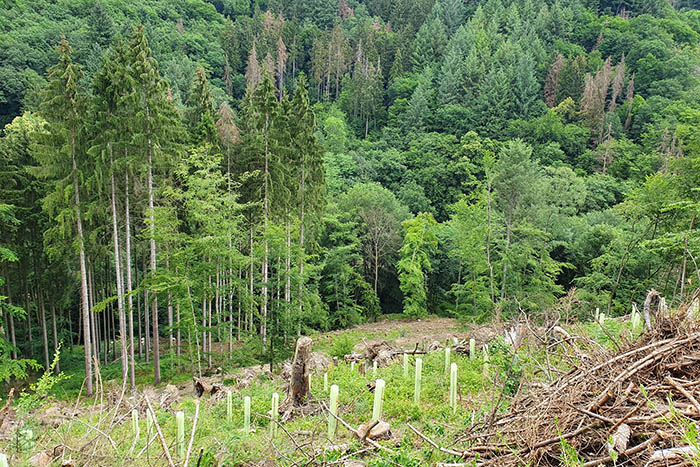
{"x":299,"y":384}
{"x":652,"y":302}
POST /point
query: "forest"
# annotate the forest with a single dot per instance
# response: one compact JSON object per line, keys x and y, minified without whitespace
{"x":188,"y":179}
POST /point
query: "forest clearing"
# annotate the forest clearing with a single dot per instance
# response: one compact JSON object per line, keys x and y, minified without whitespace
{"x":560,"y":394}
{"x":349,"y":232}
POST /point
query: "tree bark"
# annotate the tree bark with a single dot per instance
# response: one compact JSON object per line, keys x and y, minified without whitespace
{"x":45,"y":335}
{"x":154,"y":311}
{"x":83,"y":273}
{"x":130,"y":300}
{"x":120,"y":282}
{"x":57,"y":370}
{"x":299,"y":387}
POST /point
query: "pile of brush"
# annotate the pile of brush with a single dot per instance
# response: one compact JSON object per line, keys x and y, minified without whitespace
{"x":633,"y":406}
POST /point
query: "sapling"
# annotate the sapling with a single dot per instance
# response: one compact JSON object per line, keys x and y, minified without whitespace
{"x":246,"y":414}
{"x":274,"y":413}
{"x":597,"y":315}
{"x":374,"y":368}
{"x":352,"y":367}
{"x":418,"y":376}
{"x":447,"y":360}
{"x":405,"y":365}
{"x":229,"y":405}
{"x":180,"y":418}
{"x":332,"y":422}
{"x":453,"y":387}
{"x":325,"y":382}
{"x":472,"y":349}
{"x":378,"y":399}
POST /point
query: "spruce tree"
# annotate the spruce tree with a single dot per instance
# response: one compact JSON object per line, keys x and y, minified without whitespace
{"x":153,"y":125}
{"x":311,"y":172}
{"x":62,"y":159}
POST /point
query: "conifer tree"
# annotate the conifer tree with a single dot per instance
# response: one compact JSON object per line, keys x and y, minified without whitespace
{"x":62,"y":159}
{"x":153,"y":126}
{"x":200,"y":111}
{"x":311,"y":174}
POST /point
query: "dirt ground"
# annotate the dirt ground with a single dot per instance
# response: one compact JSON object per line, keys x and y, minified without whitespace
{"x":406,"y":334}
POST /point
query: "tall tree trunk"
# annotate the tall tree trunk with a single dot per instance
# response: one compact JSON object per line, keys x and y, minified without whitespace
{"x":266,"y":213}
{"x":151,"y":214}
{"x":170,"y":307}
{"x":130,"y":300}
{"x":57,"y":370}
{"x":488,"y":244}
{"x":83,"y":272}
{"x":251,"y":277}
{"x":302,"y":212}
{"x":120,"y":282}
{"x":45,"y":335}
{"x":509,"y":226}
{"x":28,"y":310}
{"x":10,"y":318}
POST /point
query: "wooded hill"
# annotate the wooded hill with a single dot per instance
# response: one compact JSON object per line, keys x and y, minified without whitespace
{"x":211,"y":172}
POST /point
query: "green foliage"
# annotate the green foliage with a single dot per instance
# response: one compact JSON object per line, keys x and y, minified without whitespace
{"x":343,"y":344}
{"x":420,"y":241}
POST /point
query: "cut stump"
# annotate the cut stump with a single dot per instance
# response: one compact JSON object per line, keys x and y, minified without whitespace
{"x":299,"y":387}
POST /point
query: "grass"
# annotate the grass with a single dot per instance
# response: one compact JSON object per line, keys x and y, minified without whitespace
{"x":224,"y":441}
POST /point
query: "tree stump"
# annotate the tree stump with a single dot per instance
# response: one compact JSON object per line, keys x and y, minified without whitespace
{"x":299,"y":387}
{"x":203,"y":387}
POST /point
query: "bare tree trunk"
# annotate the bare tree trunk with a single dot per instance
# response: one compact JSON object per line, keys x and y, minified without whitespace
{"x":55,"y":336}
{"x":132,"y":373}
{"x":505,"y":262}
{"x":154,"y":312}
{"x":266,"y":207}
{"x":178,"y":342}
{"x":10,"y":318}
{"x":488,"y":244}
{"x":251,"y":277}
{"x":170,"y":307}
{"x":120,"y":282}
{"x":28,"y":311}
{"x":42,"y":311}
{"x":302,"y":212}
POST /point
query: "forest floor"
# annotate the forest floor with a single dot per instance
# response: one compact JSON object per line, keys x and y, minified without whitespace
{"x":100,"y":430}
